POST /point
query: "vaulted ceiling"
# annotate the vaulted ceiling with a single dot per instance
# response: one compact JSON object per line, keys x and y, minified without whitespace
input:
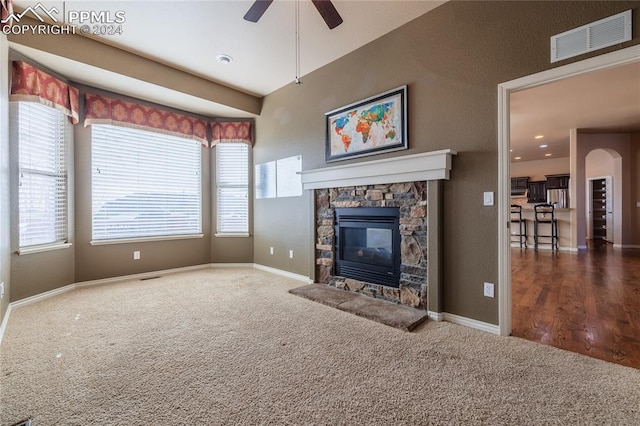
{"x":188,"y":35}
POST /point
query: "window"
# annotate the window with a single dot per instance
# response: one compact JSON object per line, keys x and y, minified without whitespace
{"x":144,"y":184}
{"x":232,"y":177}
{"x":42,"y":166}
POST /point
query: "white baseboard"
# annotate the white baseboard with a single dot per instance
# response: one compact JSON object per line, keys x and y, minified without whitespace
{"x":287,"y":274}
{"x":139,"y":276}
{"x":230,"y":265}
{"x":435,"y":316}
{"x":42,"y":296}
{"x":276,"y":271}
{"x":626,"y":246}
{"x":478,"y":325}
{"x":5,"y":320}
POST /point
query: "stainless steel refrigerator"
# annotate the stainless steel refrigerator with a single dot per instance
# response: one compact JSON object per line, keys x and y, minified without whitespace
{"x":558,"y":197}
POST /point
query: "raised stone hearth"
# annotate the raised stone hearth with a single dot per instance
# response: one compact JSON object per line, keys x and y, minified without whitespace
{"x":411,"y":199}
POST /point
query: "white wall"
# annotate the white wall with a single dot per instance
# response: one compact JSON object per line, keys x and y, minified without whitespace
{"x":4,"y":172}
{"x":536,"y":170}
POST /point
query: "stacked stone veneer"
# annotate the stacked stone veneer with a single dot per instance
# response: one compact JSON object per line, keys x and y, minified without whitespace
{"x":411,"y":199}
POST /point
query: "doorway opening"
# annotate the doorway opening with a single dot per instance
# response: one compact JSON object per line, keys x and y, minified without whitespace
{"x":505,"y":90}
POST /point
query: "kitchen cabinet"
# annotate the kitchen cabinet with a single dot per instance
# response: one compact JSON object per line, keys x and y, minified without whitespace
{"x":519,"y":183}
{"x":519,"y":186}
{"x":558,"y":181}
{"x":537,"y":192}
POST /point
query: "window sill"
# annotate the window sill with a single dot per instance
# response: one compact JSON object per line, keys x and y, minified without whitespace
{"x":145,"y":239}
{"x":232,"y":235}
{"x":40,"y":249}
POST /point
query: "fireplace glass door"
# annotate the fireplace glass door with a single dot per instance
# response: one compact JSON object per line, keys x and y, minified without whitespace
{"x":368,"y":244}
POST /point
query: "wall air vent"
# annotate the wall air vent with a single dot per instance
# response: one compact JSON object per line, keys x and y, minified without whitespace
{"x":596,"y":35}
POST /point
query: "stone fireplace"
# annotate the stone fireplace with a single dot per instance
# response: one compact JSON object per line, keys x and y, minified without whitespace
{"x":410,"y":201}
{"x":399,"y":187}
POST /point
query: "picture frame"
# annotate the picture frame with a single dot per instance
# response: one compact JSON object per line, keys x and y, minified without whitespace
{"x":371,"y":126}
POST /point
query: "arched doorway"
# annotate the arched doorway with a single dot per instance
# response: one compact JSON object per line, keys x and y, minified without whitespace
{"x":598,"y":156}
{"x":603,"y":173}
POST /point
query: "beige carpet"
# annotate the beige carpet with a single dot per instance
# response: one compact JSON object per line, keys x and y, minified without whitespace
{"x":233,"y":347}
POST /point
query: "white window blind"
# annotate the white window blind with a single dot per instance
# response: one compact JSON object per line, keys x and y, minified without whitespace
{"x":42,"y":183}
{"x":232,"y":177}
{"x":144,"y":184}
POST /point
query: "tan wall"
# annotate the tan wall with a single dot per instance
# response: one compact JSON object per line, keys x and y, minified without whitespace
{"x":452,"y":59}
{"x":5,"y":250}
{"x":635,"y":188}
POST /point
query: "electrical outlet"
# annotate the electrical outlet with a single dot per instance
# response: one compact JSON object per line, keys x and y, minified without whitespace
{"x":1,"y":290}
{"x":136,"y":255}
{"x":270,"y":250}
{"x":488,"y":290}
{"x":290,"y":254}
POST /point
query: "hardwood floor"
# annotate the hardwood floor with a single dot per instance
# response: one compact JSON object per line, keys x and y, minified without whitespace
{"x":586,"y":302}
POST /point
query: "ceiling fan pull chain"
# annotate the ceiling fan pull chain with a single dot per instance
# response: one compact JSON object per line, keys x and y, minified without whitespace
{"x":297,"y":79}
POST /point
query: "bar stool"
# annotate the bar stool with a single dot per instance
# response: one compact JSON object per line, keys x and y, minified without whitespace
{"x":544,"y":214}
{"x":516,"y":218}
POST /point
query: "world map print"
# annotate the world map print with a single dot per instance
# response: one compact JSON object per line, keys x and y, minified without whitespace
{"x":368,"y":127}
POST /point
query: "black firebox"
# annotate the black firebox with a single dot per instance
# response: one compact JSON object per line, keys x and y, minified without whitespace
{"x":368,"y":244}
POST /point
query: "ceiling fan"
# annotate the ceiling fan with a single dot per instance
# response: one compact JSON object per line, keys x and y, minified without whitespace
{"x":326,"y":9}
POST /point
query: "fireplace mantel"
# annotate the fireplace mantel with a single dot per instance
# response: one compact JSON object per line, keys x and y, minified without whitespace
{"x":432,"y":165}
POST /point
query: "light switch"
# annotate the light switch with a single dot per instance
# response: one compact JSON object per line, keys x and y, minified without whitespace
{"x":488,"y":198}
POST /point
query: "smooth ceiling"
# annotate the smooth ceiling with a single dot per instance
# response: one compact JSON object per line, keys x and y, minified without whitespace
{"x":606,"y":101}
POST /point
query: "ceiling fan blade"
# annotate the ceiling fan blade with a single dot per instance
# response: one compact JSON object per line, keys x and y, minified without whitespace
{"x":257,"y":9}
{"x":328,"y":12}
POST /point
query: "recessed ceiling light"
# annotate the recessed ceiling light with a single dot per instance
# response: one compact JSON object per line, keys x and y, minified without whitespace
{"x":510,"y":150}
{"x":539,"y":137}
{"x":548,"y":155}
{"x":543,"y":146}
{"x":224,"y":59}
{"x":518,"y":158}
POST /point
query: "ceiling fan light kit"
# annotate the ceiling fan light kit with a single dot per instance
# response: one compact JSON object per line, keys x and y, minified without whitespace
{"x":326,"y":9}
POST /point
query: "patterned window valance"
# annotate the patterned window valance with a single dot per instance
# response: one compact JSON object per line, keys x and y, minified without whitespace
{"x":31,"y":84}
{"x":103,"y":110}
{"x":7,"y":11}
{"x":231,"y":131}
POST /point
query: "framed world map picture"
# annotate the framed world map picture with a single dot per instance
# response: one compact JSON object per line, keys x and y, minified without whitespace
{"x":371,"y":126}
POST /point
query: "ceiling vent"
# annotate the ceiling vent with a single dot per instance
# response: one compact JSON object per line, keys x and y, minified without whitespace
{"x":605,"y":32}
